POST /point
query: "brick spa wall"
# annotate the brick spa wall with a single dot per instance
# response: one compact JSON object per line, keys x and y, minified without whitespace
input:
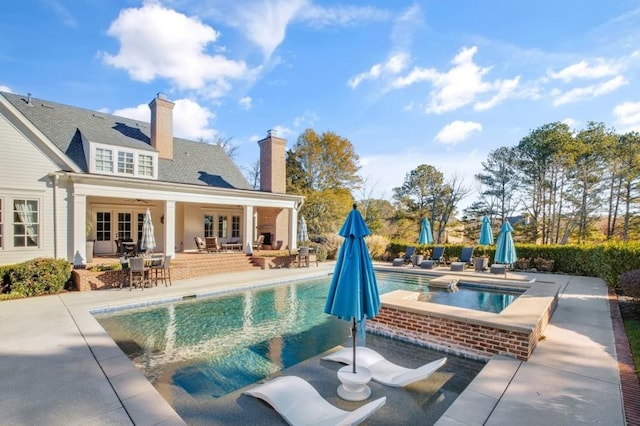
{"x":462,"y":336}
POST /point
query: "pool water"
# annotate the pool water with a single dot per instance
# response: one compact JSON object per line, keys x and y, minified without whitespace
{"x":469,"y":296}
{"x":207,"y":348}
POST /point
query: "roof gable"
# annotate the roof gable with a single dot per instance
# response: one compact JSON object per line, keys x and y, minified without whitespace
{"x":193,"y":162}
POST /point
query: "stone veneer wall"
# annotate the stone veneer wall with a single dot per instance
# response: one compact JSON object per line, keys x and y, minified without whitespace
{"x":459,"y":336}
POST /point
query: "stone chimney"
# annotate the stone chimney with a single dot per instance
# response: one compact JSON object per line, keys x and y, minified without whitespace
{"x":273,"y":174}
{"x":162,"y":126}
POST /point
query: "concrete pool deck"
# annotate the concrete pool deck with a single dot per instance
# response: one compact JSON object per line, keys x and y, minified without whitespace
{"x":59,"y":366}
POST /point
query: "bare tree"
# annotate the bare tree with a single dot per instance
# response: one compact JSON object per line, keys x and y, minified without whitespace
{"x":252,"y":173}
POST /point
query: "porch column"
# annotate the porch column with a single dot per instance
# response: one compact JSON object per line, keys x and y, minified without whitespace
{"x":293,"y":229}
{"x":170,"y":228}
{"x":79,"y":230}
{"x":249,"y":229}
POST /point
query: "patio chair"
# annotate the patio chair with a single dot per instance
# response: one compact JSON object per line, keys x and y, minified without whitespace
{"x":162,"y":271}
{"x":124,"y":272}
{"x":138,"y":272}
{"x":299,"y":403}
{"x":303,"y":256}
{"x":437,"y":255}
{"x":257,"y":244}
{"x":383,"y":371}
{"x":201,"y":245}
{"x":212,"y":245}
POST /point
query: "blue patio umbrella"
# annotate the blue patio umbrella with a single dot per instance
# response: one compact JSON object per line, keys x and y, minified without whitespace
{"x":505,"y":249}
{"x":426,"y":236}
{"x":148,"y":241}
{"x":486,"y":233}
{"x":353,"y":294}
{"x":303,"y":234}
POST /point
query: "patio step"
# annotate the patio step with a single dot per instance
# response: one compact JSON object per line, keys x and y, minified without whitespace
{"x":203,"y":264}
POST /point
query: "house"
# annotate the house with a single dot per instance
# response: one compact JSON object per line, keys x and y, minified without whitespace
{"x":70,"y":175}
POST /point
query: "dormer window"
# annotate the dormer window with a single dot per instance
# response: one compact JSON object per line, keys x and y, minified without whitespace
{"x":120,"y":161}
{"x":145,"y":165}
{"x":125,"y":162}
{"x":104,"y":160}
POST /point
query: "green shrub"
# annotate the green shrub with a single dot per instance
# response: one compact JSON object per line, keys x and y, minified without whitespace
{"x":377,"y":245}
{"x":38,"y":276}
{"x":630,"y":284}
{"x":102,"y":267}
{"x":330,"y":243}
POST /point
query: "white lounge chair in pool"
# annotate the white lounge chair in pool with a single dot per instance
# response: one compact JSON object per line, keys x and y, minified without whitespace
{"x":384,"y":371}
{"x":299,"y":403}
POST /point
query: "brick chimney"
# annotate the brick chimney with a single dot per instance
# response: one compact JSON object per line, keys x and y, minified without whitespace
{"x":162,"y":126}
{"x":273,"y":174}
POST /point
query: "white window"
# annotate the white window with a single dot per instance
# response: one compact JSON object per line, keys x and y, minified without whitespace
{"x":124,"y":226}
{"x":104,"y":160}
{"x":145,"y":165}
{"x":125,"y":162}
{"x":208,"y":225}
{"x":222,"y":227}
{"x":26,"y":223}
{"x":235,"y":226}
{"x":103,"y":226}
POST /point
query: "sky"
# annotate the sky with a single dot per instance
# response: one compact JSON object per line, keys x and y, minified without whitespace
{"x":431,"y":82}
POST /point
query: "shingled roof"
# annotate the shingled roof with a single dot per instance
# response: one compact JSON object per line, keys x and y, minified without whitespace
{"x":193,"y":162}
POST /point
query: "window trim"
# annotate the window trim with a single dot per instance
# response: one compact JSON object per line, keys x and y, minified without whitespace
{"x":116,"y":152}
{"x":38,"y":223}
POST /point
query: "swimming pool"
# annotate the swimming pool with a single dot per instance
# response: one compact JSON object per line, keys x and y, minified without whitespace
{"x":205,"y":349}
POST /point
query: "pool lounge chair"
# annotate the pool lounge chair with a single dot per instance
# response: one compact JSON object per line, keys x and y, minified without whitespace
{"x":466,"y":256}
{"x":299,"y":403}
{"x":384,"y":371}
{"x":437,"y":255}
{"x":406,"y":259}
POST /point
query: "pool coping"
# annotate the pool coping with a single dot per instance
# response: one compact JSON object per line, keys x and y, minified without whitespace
{"x":562,"y":366}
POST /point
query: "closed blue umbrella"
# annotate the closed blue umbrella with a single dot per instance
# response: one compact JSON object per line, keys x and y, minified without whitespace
{"x":148,"y":241}
{"x":486,"y":233}
{"x":426,"y":236}
{"x":505,"y":249}
{"x":353,"y":294}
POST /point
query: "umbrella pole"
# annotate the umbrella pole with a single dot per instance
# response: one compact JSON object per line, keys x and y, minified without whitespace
{"x":354,"y":330}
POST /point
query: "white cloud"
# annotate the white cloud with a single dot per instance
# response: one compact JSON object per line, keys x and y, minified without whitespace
{"x":321,"y":16}
{"x":460,"y":86}
{"x":265,"y":23}
{"x":627,"y":116}
{"x":5,"y":89}
{"x":587,"y":92}
{"x":285,"y":132}
{"x":457,"y":131}
{"x":156,"y":42}
{"x":394,"y":65}
{"x":306,"y":120}
{"x":62,"y":13}
{"x":505,"y":89}
{"x":398,"y":58}
{"x":190,"y":120}
{"x":584,"y":69}
{"x":572,"y":123}
{"x":245,"y":102}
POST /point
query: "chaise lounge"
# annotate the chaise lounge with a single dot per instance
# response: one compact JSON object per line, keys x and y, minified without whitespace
{"x":299,"y":403}
{"x":382,"y":370}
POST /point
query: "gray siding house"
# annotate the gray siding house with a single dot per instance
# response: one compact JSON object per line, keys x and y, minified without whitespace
{"x":70,"y":175}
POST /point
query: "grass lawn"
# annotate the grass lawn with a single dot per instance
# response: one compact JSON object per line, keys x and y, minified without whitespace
{"x":632,"y":327}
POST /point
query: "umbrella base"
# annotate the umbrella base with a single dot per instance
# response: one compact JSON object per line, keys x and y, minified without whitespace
{"x":354,"y":385}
